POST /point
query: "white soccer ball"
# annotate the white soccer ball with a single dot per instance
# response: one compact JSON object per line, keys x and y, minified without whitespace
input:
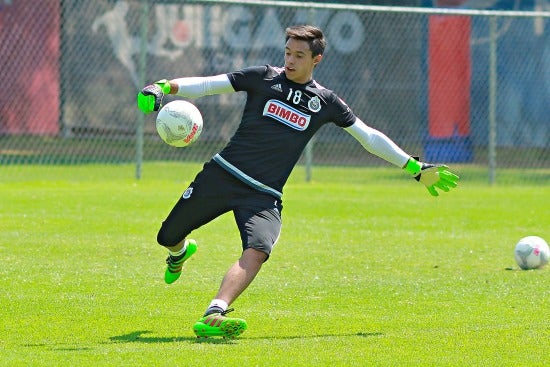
{"x":179,"y":123}
{"x":531,"y":252}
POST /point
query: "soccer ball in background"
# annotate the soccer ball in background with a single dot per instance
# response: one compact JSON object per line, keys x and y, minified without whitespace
{"x":179,"y":123}
{"x":531,"y":252}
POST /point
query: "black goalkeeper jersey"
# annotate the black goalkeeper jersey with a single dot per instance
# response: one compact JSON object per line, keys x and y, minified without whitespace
{"x":278,"y":120}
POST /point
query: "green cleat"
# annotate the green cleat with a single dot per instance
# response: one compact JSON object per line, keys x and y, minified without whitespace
{"x":174,"y":264}
{"x":217,"y":324}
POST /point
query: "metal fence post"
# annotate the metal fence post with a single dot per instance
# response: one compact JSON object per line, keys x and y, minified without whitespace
{"x":492,"y":144}
{"x":141,"y":77}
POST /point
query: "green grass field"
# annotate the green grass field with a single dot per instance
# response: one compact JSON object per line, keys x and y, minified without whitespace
{"x":370,"y":270}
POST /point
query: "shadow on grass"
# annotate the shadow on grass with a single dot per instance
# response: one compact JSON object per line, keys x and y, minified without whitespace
{"x":141,"y":337}
{"x":317,"y":336}
{"x":57,"y":348}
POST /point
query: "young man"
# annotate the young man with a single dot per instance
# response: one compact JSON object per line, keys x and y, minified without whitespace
{"x":284,"y":109}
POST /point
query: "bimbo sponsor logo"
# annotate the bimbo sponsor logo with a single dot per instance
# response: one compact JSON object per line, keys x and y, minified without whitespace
{"x":286,"y":114}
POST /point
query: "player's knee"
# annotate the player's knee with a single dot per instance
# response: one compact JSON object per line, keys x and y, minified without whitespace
{"x":262,"y":249}
{"x":167,"y":238}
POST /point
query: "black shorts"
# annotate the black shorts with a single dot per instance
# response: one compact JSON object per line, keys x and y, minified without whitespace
{"x":215,"y":192}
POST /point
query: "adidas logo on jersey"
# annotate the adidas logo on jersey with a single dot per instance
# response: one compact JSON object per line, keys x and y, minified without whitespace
{"x":277,"y":87}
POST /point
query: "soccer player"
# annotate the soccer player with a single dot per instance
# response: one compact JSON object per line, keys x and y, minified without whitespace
{"x":285,"y":106}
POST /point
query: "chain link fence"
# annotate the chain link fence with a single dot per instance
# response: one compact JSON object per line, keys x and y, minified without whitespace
{"x":451,"y":86}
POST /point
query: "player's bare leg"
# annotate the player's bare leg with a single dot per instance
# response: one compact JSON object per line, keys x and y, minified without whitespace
{"x":235,"y":281}
{"x":240,"y":275}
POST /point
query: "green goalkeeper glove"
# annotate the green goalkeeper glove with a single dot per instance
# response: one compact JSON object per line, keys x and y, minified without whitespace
{"x":149,"y":99}
{"x":432,"y":175}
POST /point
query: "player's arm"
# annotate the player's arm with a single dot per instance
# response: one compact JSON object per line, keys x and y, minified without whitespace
{"x":150,"y":98}
{"x":374,"y":141}
{"x":377,"y":143}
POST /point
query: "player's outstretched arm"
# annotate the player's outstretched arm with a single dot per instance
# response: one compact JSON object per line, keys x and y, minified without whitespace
{"x":196,"y":87}
{"x":150,"y":97}
{"x":430,"y":175}
{"x":378,"y":143}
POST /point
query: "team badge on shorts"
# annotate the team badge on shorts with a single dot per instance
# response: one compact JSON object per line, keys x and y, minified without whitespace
{"x":187,"y":193}
{"x":314,"y":104}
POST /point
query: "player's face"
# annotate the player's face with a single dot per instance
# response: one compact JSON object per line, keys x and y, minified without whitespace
{"x":299,"y":61}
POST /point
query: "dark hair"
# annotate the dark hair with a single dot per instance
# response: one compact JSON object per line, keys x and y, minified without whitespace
{"x":312,"y":35}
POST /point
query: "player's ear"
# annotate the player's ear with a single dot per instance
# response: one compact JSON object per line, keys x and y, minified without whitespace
{"x":317,"y":59}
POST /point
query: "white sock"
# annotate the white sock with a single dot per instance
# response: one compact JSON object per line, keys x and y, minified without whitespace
{"x":218,"y":304}
{"x":180,"y":252}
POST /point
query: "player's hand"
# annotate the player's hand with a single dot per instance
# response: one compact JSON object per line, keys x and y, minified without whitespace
{"x":149,"y":99}
{"x":436,"y":176}
{"x":433,"y":176}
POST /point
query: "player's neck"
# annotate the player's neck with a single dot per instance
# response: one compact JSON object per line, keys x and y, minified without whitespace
{"x":304,"y":80}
